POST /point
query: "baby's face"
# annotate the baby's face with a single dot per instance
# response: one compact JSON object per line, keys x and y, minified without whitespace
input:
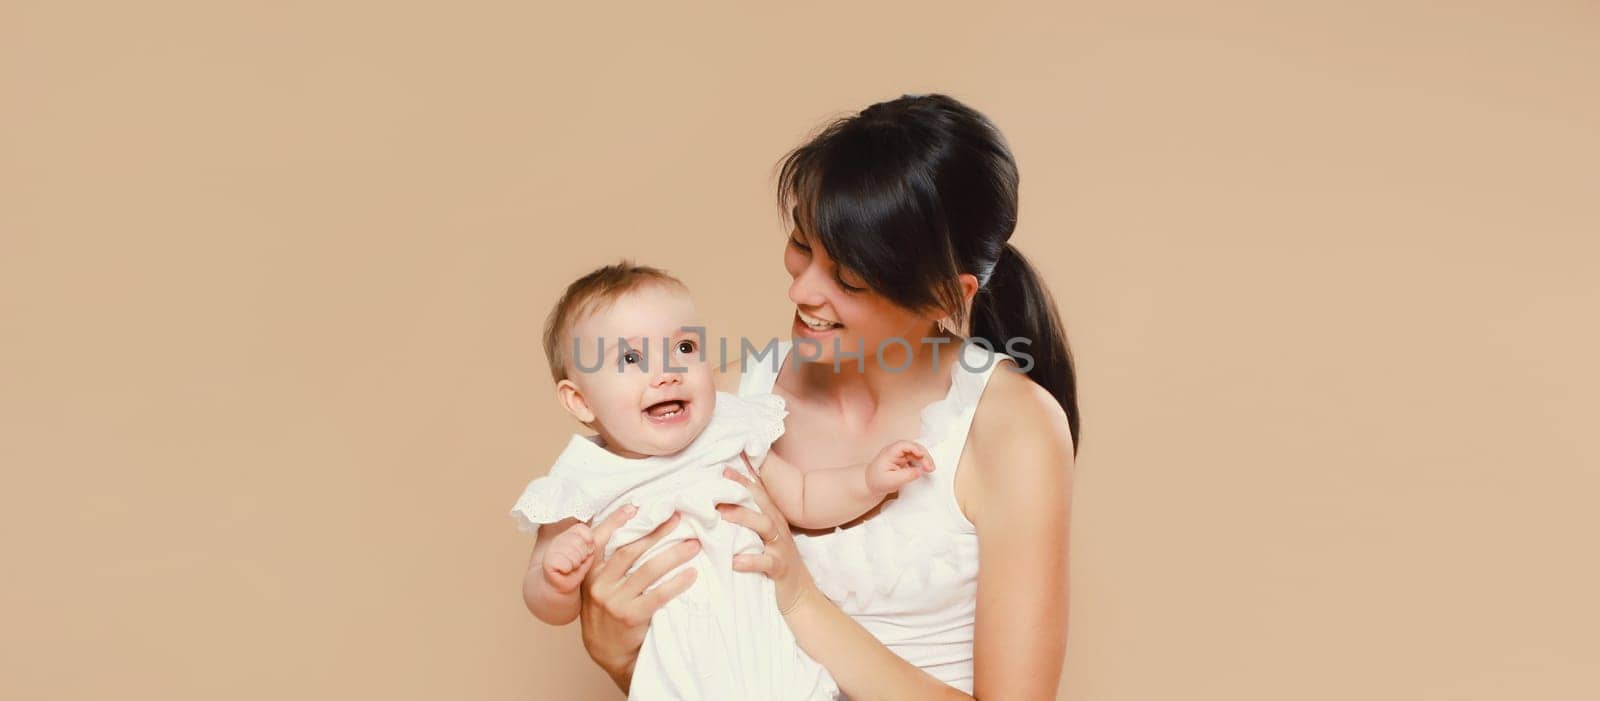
{"x":652,"y":391}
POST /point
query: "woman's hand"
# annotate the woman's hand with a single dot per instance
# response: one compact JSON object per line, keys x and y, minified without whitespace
{"x":780,"y":559}
{"x":862,"y":666}
{"x":616,"y":609}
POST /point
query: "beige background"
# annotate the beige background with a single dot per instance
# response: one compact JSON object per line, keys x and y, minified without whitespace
{"x":271,"y":279}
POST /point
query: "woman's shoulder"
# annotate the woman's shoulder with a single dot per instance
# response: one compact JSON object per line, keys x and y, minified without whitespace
{"x":1019,"y":432}
{"x":1014,"y":406}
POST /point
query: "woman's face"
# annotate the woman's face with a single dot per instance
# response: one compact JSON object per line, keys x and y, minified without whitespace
{"x":834,"y":310}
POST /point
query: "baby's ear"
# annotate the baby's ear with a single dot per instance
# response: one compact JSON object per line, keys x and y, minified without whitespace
{"x":571,"y":399}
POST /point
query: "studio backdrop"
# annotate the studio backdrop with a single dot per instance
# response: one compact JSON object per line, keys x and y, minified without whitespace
{"x":272,"y":278}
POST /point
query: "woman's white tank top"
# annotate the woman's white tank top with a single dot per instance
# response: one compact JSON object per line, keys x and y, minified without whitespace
{"x":909,"y":574}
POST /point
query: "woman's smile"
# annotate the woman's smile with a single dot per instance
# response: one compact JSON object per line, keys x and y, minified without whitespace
{"x":813,"y":326}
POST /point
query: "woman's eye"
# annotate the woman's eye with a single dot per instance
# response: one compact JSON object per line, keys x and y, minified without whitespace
{"x":847,"y":287}
{"x":796,"y":243}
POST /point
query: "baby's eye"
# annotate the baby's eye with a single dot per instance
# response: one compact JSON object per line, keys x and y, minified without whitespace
{"x":686,"y":347}
{"x":629,"y":358}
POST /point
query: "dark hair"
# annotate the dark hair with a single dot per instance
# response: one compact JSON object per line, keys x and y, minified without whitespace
{"x":923,"y":188}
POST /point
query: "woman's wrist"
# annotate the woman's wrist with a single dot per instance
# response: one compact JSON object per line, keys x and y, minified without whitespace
{"x":623,"y":678}
{"x":805,"y":596}
{"x":618,"y":667}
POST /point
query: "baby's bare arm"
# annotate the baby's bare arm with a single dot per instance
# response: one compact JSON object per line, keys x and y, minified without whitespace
{"x":831,"y":497}
{"x":543,"y":589}
{"x":818,"y":498}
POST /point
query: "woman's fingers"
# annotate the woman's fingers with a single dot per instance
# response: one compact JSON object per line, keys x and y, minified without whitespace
{"x":617,"y":565}
{"x":757,"y":491}
{"x":659,"y":596}
{"x":659,"y":564}
{"x":735,"y":475}
{"x":760,"y":523}
{"x":601,"y":534}
{"x":765,"y":563}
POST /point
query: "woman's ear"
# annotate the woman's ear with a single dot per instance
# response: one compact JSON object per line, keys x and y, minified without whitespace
{"x":571,"y":399}
{"x":969,"y":287}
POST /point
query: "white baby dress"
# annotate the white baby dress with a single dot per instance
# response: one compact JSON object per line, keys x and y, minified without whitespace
{"x":722,"y":638}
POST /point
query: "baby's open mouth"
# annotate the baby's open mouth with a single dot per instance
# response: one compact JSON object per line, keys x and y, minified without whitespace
{"x":667,"y":409}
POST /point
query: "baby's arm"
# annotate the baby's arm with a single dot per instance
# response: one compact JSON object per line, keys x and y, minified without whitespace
{"x":562,"y":555}
{"x":827,"y":498}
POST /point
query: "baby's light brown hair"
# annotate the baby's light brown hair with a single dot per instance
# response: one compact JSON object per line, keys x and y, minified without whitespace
{"x":592,"y":293}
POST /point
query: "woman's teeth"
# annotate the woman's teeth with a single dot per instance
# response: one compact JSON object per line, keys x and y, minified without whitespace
{"x":815,"y":323}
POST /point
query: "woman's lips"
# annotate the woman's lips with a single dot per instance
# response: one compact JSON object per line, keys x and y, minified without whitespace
{"x":803,"y":329}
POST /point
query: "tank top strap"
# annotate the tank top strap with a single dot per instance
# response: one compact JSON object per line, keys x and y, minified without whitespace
{"x":758,"y":374}
{"x":970,"y":375}
{"x":947,"y":422}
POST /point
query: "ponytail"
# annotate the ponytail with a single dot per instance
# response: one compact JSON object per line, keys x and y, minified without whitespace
{"x":911,"y":193}
{"x":1015,"y":308}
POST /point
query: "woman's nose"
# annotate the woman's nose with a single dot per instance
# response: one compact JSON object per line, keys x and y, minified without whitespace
{"x":806,"y":290}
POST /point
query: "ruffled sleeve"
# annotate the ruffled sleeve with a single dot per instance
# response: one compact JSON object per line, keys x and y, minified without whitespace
{"x":551,"y":499}
{"x":760,"y":418}
{"x":574,"y":487}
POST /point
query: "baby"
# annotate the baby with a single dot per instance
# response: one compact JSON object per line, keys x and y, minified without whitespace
{"x":624,"y":348}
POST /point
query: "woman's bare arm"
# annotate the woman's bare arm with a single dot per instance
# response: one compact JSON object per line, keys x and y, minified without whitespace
{"x":862,"y":666}
{"x":1019,"y":496}
{"x":859,"y":663}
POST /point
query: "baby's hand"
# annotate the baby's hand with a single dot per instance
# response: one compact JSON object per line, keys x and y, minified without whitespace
{"x":568,"y":558}
{"x":897,"y":465}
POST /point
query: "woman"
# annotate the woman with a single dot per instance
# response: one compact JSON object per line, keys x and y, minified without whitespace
{"x":901,"y":216}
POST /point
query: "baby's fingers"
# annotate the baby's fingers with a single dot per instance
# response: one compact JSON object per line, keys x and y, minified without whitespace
{"x":913,"y":455}
{"x":564,"y":570}
{"x":901,"y":478}
{"x":582,"y":568}
{"x":583,"y":534}
{"x":559,"y":563}
{"x":911,"y":448}
{"x":566,"y":557}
